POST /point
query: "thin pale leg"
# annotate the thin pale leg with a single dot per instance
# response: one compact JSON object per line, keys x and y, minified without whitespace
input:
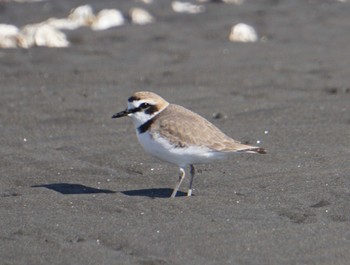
{"x":193,"y":171}
{"x":182,"y":175}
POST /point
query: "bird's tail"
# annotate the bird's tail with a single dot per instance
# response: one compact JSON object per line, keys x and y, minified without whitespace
{"x":254,"y":150}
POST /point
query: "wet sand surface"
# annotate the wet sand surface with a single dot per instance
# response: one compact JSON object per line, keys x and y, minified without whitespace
{"x":77,"y":188}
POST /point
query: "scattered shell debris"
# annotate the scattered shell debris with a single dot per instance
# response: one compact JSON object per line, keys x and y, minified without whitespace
{"x":49,"y":33}
{"x":185,"y":7}
{"x":41,"y":35}
{"x":78,"y":17}
{"x":148,"y":2}
{"x":48,"y":36}
{"x":140,"y":16}
{"x":25,"y":1}
{"x":243,"y":33}
{"x":82,"y":14}
{"x":237,"y":2}
{"x":62,"y":23}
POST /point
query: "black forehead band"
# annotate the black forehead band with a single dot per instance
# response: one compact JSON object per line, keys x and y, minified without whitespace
{"x":133,"y":98}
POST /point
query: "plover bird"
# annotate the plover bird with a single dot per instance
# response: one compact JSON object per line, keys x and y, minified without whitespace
{"x":177,"y":135}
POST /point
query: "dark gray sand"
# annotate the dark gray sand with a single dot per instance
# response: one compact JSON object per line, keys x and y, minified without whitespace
{"x":76,"y":187}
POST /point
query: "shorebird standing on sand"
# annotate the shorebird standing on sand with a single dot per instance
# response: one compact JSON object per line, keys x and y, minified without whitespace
{"x":177,"y":135}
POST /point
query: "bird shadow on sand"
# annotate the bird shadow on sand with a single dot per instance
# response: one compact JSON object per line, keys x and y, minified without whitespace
{"x":70,"y":188}
{"x":153,"y":193}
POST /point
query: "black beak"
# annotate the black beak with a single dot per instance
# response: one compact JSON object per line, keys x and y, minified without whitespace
{"x":121,"y":114}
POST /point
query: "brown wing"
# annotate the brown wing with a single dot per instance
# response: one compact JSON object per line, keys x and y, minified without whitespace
{"x":187,"y":128}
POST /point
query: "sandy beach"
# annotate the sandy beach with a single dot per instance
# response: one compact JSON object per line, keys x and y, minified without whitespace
{"x":77,"y":188}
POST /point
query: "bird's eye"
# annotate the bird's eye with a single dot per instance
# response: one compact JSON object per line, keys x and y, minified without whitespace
{"x":144,"y":105}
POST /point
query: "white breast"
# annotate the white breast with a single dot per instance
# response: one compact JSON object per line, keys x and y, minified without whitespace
{"x":162,"y":149}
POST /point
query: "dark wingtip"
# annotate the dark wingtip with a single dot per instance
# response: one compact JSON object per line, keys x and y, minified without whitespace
{"x":260,"y":150}
{"x":255,"y":150}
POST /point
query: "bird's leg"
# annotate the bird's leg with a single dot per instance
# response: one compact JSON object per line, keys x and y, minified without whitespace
{"x":193,"y":171}
{"x":181,"y":178}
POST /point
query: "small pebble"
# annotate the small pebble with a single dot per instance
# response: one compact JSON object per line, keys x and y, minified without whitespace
{"x":218,"y":115}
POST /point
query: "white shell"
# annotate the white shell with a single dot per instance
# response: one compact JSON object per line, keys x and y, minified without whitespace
{"x":8,"y":42}
{"x":8,"y":36}
{"x":49,"y":36}
{"x":41,"y":35}
{"x":8,"y":30}
{"x":78,"y":17}
{"x":237,"y":2}
{"x":82,"y":15}
{"x":140,"y":16}
{"x":243,"y":33}
{"x":63,"y":23}
{"x":26,"y":36}
{"x":146,"y":1}
{"x":28,"y":1}
{"x":107,"y":18}
{"x":184,"y":7}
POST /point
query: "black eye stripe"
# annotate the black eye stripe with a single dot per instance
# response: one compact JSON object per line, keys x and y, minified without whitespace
{"x":135,"y":110}
{"x":144,"y":105}
{"x":151,"y":109}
